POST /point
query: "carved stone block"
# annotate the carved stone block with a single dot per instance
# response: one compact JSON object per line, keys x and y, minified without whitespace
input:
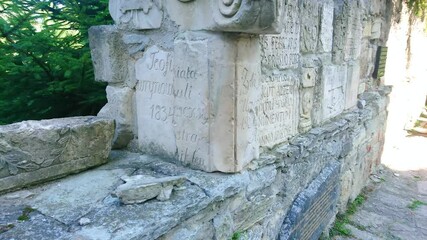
{"x":183,"y":101}
{"x":250,"y":16}
{"x":36,"y":151}
{"x":334,"y":79}
{"x":137,"y":14}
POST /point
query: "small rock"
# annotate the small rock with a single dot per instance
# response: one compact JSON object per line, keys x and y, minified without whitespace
{"x":84,"y":221}
{"x":396,"y":174}
{"x":375,"y":178}
{"x":165,"y":193}
{"x":361,"y":104}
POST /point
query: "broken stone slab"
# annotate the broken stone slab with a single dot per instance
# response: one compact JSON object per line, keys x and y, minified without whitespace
{"x":36,"y":151}
{"x":140,"y":188}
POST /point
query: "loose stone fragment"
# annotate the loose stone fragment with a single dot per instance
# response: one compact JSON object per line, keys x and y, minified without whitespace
{"x":140,"y":188}
{"x":84,"y":221}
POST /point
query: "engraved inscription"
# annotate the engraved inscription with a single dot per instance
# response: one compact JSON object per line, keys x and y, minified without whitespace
{"x":309,"y":25}
{"x":191,"y":117}
{"x":326,"y":26}
{"x":168,"y":115}
{"x":334,"y":78}
{"x":281,"y":51}
{"x":276,"y":112}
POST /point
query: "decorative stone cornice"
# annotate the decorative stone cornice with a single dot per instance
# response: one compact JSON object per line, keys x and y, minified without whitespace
{"x":250,"y":16}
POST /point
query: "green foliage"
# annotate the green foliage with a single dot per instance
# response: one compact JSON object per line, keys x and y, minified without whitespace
{"x":45,"y":65}
{"x":5,"y":228}
{"x":236,"y":236}
{"x":25,"y":214}
{"x":339,"y":228}
{"x":419,"y":9}
{"x":416,"y":204}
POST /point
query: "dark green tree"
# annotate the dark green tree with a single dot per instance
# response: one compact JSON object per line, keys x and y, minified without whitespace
{"x":45,"y":65}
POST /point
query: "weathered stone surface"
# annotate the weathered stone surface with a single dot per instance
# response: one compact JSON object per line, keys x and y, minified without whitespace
{"x":262,"y":16}
{"x":139,"y":188}
{"x":313,"y":208}
{"x":72,"y":198}
{"x":197,"y":133}
{"x":281,"y":51}
{"x":347,"y":31}
{"x":352,"y":86}
{"x":109,"y":55}
{"x":207,"y":205}
{"x":334,"y":86}
{"x":36,"y":151}
{"x":144,"y":14}
{"x":310,"y":15}
{"x":216,"y":101}
{"x":326,"y":26}
{"x":119,"y":108}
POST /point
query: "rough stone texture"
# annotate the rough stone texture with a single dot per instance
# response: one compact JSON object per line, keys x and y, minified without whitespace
{"x":120,"y":108}
{"x":254,"y":202}
{"x":314,"y":207}
{"x":147,"y":14}
{"x":109,"y":55}
{"x":36,"y":151}
{"x":386,"y":213}
{"x":70,"y":199}
{"x":140,"y":188}
{"x":262,"y":16}
{"x":214,"y":100}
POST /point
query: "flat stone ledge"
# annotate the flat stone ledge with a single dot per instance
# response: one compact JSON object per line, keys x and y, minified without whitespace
{"x":35,"y":151}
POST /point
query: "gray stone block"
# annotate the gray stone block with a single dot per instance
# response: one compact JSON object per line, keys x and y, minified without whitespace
{"x":36,"y":151}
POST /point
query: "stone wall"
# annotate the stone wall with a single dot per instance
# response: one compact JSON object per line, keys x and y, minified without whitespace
{"x":280,"y":91}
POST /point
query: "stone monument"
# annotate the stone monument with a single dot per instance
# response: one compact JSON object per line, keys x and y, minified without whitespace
{"x":212,"y":84}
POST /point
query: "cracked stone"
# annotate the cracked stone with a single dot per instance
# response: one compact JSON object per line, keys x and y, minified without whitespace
{"x":140,"y":188}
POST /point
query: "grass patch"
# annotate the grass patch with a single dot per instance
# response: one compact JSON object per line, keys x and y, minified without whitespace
{"x":416,"y":204}
{"x":339,"y":228}
{"x":236,"y":236}
{"x":5,"y":228}
{"x":24,"y":216}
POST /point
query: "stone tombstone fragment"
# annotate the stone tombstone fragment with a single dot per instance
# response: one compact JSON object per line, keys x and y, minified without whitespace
{"x":352,"y":88}
{"x":334,"y":89}
{"x":326,"y":26}
{"x":261,"y":16}
{"x":119,"y":107}
{"x":37,"y":151}
{"x":282,"y":51}
{"x":154,"y":92}
{"x":247,"y":97}
{"x":348,"y":31}
{"x":307,"y":98}
{"x":309,"y":25}
{"x":183,"y":101}
{"x":309,"y":76}
{"x":277,"y":111}
{"x":137,"y":14}
{"x":108,"y":54}
{"x":191,"y":77}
